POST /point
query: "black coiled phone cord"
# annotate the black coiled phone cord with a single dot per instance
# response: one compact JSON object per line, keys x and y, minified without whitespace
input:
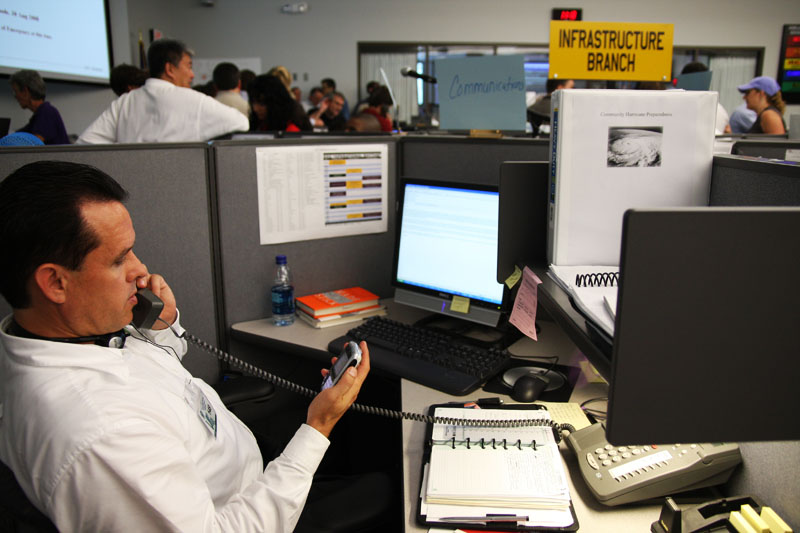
{"x":379,"y":411}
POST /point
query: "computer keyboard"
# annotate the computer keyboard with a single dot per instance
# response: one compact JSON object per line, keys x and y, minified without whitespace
{"x":433,"y":359}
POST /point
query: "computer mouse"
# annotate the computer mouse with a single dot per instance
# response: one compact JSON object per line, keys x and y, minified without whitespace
{"x":527,"y":388}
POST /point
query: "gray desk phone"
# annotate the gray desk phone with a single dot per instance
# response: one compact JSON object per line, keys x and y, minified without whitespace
{"x":624,"y":474}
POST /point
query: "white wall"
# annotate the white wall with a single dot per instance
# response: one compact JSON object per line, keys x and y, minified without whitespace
{"x":322,"y":42}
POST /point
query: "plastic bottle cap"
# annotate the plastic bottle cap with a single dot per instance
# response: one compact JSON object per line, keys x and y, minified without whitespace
{"x":280,"y":259}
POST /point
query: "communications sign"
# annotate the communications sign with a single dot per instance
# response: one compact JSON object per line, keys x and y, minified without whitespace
{"x":610,"y":51}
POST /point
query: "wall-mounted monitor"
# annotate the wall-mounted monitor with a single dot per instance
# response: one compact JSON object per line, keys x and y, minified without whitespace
{"x":446,"y":249}
{"x":61,"y":40}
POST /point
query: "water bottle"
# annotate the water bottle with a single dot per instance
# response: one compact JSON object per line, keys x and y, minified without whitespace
{"x":282,"y":294}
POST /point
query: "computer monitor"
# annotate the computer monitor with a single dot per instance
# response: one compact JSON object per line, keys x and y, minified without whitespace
{"x":706,"y":343}
{"x":446,"y":247}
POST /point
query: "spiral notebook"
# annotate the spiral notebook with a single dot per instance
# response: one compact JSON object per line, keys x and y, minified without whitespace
{"x":476,"y":477}
{"x":593,"y":291}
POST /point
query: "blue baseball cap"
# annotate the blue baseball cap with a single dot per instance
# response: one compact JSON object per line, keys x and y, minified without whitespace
{"x":762,"y":83}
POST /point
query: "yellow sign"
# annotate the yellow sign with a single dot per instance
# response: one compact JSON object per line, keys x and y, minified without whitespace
{"x":582,"y":50}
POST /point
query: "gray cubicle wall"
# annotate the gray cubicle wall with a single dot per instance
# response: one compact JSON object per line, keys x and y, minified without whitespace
{"x":769,"y":469}
{"x":743,"y":181}
{"x":247,"y":266}
{"x":771,"y":148}
{"x":471,"y":160}
{"x":169,"y":199}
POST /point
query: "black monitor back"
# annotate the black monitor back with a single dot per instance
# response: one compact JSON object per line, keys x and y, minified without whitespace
{"x":707,"y":336}
{"x":522,"y":224}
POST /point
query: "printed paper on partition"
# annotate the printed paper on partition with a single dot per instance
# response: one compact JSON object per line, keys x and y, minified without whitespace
{"x":321,"y":191}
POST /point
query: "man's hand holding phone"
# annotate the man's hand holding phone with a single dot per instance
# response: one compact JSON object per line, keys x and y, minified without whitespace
{"x":330,"y":404}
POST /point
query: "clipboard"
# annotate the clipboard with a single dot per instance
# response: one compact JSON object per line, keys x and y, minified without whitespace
{"x":423,"y":520}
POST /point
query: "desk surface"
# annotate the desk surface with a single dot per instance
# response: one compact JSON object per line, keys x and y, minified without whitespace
{"x":301,"y":339}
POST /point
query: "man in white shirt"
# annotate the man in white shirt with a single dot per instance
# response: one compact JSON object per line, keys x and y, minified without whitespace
{"x":166,"y":109}
{"x":102,"y":426}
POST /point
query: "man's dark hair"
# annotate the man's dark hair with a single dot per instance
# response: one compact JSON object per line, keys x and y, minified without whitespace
{"x":226,"y":76}
{"x":314,"y":90}
{"x":165,"y":51}
{"x":125,"y":76}
{"x":41,"y":221}
{"x":328,"y":82}
{"x":381,"y":97}
{"x":371,"y":86}
{"x":694,"y":66}
{"x":553,"y":84}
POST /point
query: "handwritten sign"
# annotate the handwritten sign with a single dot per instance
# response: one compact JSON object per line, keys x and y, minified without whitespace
{"x":482,"y":93}
{"x":610,"y":51}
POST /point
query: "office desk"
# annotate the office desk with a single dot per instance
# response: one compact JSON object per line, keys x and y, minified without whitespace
{"x":301,"y":339}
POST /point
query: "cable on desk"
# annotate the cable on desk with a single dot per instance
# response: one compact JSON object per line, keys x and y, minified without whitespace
{"x":597,"y":414}
{"x":380,"y":411}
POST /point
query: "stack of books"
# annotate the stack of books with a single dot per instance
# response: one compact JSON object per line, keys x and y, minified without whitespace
{"x":332,"y":308}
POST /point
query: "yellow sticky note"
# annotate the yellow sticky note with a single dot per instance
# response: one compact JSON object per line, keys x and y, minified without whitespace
{"x":513,"y":278}
{"x":591,"y":373}
{"x":775,"y":522}
{"x":739,"y":523}
{"x":753,"y":519}
{"x":460,"y":304}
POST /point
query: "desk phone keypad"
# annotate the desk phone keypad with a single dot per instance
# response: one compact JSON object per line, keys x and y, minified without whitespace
{"x":623,"y":474}
{"x":624,"y":462}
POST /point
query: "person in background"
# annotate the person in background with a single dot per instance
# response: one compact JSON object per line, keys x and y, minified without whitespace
{"x":229,"y":87}
{"x":247,"y":76}
{"x":380,"y":101}
{"x":125,"y":78}
{"x":328,"y":88}
{"x":362,"y":123}
{"x":364,"y":102}
{"x":721,"y":124}
{"x":273,"y":108}
{"x":315,"y":98}
{"x":741,"y":120}
{"x":283,"y":74}
{"x":330,"y":113}
{"x":539,"y":112}
{"x":208,"y":88}
{"x":46,"y":124}
{"x":763,"y":95}
{"x":166,"y":109}
{"x":20,"y":138}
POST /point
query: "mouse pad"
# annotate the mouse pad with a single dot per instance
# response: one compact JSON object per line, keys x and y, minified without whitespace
{"x":565,"y":375}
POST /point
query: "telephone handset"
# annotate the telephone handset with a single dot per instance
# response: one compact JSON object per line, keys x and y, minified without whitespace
{"x":624,"y":474}
{"x":147,"y":309}
{"x":149,"y":306}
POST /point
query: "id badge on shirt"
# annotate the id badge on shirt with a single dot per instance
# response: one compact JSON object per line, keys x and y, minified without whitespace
{"x":198,"y":401}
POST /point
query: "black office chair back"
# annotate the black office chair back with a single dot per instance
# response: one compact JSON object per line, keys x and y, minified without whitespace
{"x":17,"y":513}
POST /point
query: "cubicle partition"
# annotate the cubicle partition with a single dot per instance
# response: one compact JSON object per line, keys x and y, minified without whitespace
{"x":770,"y":147}
{"x":247,"y":267}
{"x":743,"y":181}
{"x":169,"y":205}
{"x":470,"y":160}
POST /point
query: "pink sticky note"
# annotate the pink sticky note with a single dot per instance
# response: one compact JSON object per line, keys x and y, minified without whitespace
{"x":523,"y":315}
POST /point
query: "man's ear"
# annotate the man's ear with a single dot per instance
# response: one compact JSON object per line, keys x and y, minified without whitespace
{"x":169,"y":69}
{"x":51,"y":280}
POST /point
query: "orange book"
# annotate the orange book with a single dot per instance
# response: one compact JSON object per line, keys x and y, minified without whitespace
{"x":337,"y":302}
